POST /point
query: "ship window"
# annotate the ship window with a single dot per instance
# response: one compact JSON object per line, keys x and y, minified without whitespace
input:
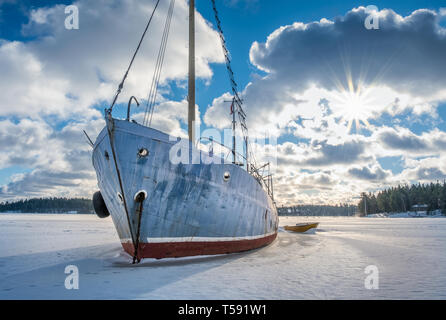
{"x":226,"y":176}
{"x":106,"y":155}
{"x":143,"y":152}
{"x":120,"y":197}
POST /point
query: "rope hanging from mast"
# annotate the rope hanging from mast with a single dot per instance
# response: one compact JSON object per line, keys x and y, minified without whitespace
{"x":150,"y":106}
{"x":237,"y":102}
{"x":226,"y":54}
{"x":236,"y":108}
{"x":121,"y":85}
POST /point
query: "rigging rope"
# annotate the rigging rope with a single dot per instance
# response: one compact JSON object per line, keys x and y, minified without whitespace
{"x":236,"y":98}
{"x":151,"y":100}
{"x":251,"y":164}
{"x":121,"y":85}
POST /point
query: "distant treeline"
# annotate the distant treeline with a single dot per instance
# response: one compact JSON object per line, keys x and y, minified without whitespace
{"x":403,"y":198}
{"x":318,"y":210}
{"x":48,"y":205}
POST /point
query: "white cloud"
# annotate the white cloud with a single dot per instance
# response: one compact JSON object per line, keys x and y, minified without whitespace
{"x":168,"y":117}
{"x":59,"y":77}
{"x":312,"y":70}
{"x":64,"y":73}
{"x":405,"y":53}
{"x":61,"y":160}
{"x":40,"y":15}
{"x":400,"y":66}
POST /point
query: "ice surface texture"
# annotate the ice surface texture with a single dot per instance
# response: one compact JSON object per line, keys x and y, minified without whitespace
{"x":326,"y":264}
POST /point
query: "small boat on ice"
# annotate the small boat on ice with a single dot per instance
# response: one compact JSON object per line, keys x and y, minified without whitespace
{"x":302,"y":227}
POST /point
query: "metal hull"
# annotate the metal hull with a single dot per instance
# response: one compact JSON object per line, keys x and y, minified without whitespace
{"x":190,"y":209}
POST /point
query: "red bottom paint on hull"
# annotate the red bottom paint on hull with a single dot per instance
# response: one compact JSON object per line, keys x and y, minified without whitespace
{"x":186,"y":249}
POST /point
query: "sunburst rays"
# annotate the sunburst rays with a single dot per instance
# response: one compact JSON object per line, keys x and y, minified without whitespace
{"x":352,"y":103}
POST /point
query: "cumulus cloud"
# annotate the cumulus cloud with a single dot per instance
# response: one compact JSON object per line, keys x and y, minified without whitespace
{"x":60,"y":159}
{"x":366,"y":173}
{"x":327,"y":154}
{"x":405,"y":53}
{"x":321,"y":154}
{"x":40,"y":183}
{"x":399,"y":66}
{"x":66,"y":72}
{"x":168,"y":117}
{"x":303,"y":95}
{"x":319,"y":181}
{"x":331,"y":84}
{"x":424,"y":169}
{"x":395,"y":140}
{"x":21,"y":143}
{"x":405,"y":141}
{"x":428,"y":174}
{"x":53,"y":84}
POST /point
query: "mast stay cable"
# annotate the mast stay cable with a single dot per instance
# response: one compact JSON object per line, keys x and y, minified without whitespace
{"x":121,"y":85}
{"x":150,"y":106}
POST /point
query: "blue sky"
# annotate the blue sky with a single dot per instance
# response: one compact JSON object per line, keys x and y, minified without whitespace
{"x":63,"y":80}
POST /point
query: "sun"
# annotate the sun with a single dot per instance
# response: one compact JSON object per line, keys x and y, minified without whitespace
{"x":352,"y":105}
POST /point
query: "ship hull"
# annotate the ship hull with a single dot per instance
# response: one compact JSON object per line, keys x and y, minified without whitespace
{"x":210,"y":246}
{"x":190,"y":207}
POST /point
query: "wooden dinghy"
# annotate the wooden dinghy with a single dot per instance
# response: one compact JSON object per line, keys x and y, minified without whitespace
{"x":302,"y":227}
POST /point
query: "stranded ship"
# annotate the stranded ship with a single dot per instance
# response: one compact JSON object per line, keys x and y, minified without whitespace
{"x":163,"y":208}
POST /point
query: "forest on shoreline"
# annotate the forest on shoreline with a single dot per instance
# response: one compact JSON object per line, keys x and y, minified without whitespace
{"x":48,"y":205}
{"x":403,"y":198}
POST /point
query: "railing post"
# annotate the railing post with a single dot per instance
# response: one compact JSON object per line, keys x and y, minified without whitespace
{"x":129,"y":105}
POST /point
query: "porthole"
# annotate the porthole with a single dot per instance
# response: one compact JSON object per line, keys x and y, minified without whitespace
{"x":106,"y":155}
{"x":120,"y":197}
{"x":143,"y":152}
{"x":226,"y":176}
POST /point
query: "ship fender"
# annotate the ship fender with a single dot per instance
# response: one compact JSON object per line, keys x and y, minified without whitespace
{"x":99,"y":205}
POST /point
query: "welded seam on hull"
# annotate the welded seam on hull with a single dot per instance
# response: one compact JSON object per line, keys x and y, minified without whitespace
{"x":202,"y":239}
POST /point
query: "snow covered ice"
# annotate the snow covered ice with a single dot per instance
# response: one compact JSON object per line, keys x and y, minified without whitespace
{"x":328,"y":263}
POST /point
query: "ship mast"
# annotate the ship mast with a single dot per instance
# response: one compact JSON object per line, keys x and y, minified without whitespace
{"x":191,"y":85}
